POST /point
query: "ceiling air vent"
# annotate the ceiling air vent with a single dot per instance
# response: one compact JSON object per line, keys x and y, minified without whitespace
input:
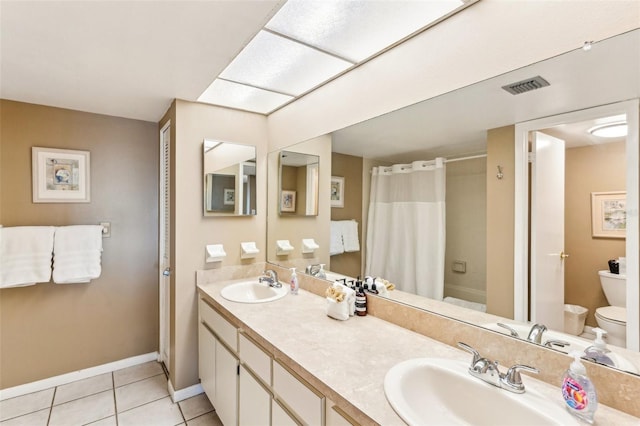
{"x":526,"y":85}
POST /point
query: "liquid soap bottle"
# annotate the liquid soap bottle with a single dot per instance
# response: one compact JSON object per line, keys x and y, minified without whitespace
{"x":598,"y":351}
{"x":578,"y":390}
{"x":321,"y":273}
{"x":294,"y":281}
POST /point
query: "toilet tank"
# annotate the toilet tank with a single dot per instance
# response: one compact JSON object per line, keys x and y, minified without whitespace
{"x":614,"y":287}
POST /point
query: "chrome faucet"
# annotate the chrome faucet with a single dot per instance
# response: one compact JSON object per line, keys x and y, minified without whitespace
{"x":487,"y":370}
{"x":535,"y":334}
{"x":312,"y":270}
{"x":271,"y":277}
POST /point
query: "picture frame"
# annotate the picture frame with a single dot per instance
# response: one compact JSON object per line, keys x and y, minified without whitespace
{"x":337,"y":191}
{"x":608,"y":214}
{"x":288,"y":201}
{"x":229,"y":197}
{"x":60,"y":175}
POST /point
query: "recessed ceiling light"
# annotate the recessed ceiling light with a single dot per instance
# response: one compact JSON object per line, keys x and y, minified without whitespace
{"x":610,"y":130}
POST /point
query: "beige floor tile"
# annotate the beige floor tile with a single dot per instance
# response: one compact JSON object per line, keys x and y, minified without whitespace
{"x":82,"y":388}
{"x":39,"y":418}
{"x":195,"y":406}
{"x":21,"y":405}
{"x":141,"y":392}
{"x":84,"y":410}
{"x":209,"y":419}
{"x":162,"y":412}
{"x":137,"y":372}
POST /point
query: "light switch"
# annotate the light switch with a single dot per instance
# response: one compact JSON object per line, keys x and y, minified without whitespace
{"x":459,"y":266}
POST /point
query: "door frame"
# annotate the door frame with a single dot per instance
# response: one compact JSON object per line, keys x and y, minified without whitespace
{"x":521,"y":200}
{"x":164,"y":293}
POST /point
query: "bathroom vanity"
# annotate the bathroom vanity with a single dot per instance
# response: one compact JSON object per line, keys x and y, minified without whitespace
{"x":288,"y":362}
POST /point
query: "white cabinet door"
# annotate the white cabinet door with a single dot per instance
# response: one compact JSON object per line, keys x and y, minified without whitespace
{"x":226,"y":385}
{"x":207,"y":361}
{"x":254,"y":401}
{"x":281,"y":417}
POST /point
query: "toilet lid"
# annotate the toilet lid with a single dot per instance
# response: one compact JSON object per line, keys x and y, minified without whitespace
{"x":613,"y":313}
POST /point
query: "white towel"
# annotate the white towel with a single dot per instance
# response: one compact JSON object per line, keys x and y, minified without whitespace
{"x":335,"y":243}
{"x":76,"y":254}
{"x":350,"y":236}
{"x":350,"y":296}
{"x":25,"y":255}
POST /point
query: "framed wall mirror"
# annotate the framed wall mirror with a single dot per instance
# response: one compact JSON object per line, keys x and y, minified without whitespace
{"x":229,"y":179}
{"x":298,"y":181}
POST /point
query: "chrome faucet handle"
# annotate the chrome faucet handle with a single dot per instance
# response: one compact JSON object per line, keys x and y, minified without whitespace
{"x":511,"y":330}
{"x":512,"y":379}
{"x":552,"y":343}
{"x":476,"y":354}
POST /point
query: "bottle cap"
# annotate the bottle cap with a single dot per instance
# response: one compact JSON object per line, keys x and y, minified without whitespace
{"x":577,"y":366}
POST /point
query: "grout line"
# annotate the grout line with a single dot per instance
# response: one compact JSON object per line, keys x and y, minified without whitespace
{"x":53,"y":398}
{"x":184,"y":419}
{"x":115,"y":400}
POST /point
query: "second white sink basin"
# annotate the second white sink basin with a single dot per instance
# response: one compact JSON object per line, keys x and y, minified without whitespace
{"x":436,"y":391}
{"x":252,"y":292}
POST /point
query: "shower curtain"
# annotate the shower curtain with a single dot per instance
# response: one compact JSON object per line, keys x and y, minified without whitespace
{"x":406,"y":226}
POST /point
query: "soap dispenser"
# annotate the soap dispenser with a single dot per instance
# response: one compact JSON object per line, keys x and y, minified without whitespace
{"x":321,"y":273}
{"x":294,"y":281}
{"x":578,"y":390}
{"x":598,"y":351}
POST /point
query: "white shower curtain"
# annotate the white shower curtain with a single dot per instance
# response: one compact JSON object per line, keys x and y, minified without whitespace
{"x":406,"y":226}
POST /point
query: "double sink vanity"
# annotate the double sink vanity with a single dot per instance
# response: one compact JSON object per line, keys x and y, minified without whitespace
{"x":268,"y":357}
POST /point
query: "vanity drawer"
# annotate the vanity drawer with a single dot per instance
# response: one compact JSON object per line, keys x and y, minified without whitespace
{"x":226,"y":331}
{"x":255,"y":358}
{"x":305,"y":401}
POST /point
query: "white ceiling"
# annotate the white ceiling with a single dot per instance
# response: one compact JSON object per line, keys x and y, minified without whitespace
{"x":121,"y":58}
{"x":456,"y":123}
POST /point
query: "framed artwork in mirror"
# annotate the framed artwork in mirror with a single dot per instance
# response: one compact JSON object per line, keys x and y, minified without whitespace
{"x":288,"y":201}
{"x":608,"y":214}
{"x":60,"y":175}
{"x":229,"y":197}
{"x":337,"y":191}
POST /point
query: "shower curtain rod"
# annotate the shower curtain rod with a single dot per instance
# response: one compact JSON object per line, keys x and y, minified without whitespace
{"x":471,"y":157}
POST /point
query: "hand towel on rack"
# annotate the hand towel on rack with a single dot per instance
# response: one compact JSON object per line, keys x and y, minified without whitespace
{"x":76,"y":254}
{"x":25,"y":255}
{"x":350,"y":235}
{"x":335,"y":242}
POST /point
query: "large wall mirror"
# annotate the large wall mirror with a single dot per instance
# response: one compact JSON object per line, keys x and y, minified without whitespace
{"x":298,"y":184}
{"x":473,"y":132}
{"x":229,"y":179}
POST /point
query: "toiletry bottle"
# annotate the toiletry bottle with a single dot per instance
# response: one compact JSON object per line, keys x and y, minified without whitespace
{"x":294,"y":281}
{"x":321,"y":274}
{"x":578,"y":390}
{"x":361,"y":300}
{"x":598,"y":351}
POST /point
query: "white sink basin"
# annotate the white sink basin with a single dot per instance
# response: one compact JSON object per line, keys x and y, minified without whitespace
{"x":252,"y":292}
{"x":436,"y":391}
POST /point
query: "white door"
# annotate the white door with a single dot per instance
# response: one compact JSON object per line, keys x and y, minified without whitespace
{"x":547,"y":231}
{"x":164,"y":233}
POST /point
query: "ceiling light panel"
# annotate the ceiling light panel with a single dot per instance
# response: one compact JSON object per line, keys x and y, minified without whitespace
{"x":233,"y":95}
{"x":356,"y":30}
{"x":276,"y":63}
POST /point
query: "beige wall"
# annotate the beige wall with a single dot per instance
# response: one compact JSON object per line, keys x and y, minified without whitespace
{"x":349,"y":167}
{"x":295,"y":228}
{"x":466,"y":224}
{"x":500,"y":221}
{"x":50,"y":329}
{"x":595,"y":168}
{"x":192,"y":231}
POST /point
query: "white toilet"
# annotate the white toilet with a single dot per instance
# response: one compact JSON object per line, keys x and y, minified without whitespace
{"x":613,"y":318}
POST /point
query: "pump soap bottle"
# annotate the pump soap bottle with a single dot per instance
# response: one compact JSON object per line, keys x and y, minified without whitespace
{"x":598,"y":351}
{"x":294,"y":281}
{"x":578,"y":390}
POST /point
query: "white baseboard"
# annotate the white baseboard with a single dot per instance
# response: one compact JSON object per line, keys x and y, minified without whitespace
{"x":182,"y":394}
{"x":465,"y":293}
{"x":76,"y":375}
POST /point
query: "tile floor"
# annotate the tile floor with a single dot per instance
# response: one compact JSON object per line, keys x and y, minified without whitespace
{"x":133,"y":396}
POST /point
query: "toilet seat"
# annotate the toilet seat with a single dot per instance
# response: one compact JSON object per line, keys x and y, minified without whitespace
{"x":615,"y":314}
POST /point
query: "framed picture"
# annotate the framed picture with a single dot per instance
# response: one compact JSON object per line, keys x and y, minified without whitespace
{"x":60,"y":175}
{"x":609,"y":214}
{"x":229,"y":197}
{"x":288,"y":201}
{"x":337,"y":191}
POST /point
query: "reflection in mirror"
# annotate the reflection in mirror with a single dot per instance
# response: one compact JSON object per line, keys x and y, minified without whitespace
{"x":298,"y":182}
{"x":229,"y":179}
{"x":480,"y":195}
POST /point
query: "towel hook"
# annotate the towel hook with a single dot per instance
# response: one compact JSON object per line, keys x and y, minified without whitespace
{"x":500,"y":175}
